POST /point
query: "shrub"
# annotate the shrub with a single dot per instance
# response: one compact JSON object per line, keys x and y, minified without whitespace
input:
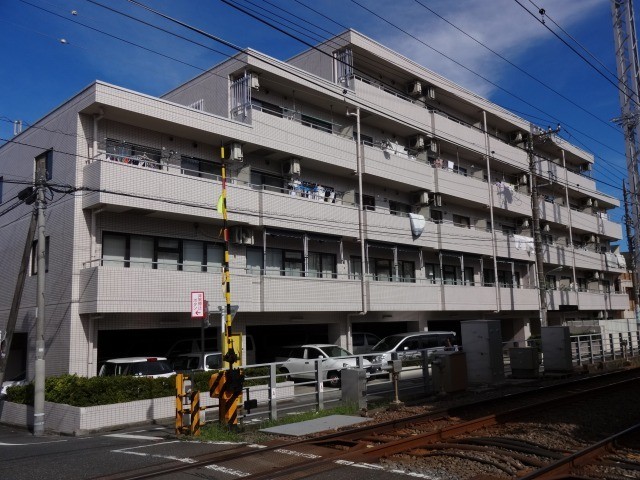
{"x":86,"y":392}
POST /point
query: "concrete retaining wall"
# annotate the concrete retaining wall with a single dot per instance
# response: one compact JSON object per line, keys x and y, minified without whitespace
{"x":69,"y":420}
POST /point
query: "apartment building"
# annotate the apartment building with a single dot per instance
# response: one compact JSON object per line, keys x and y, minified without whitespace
{"x":433,"y":205}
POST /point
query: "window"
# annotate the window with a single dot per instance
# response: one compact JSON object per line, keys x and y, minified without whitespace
{"x":364,"y":139}
{"x":34,"y":256}
{"x":508,"y":229}
{"x":488,"y":277}
{"x":133,"y":154}
{"x":273,"y":262}
{"x":468,"y":276}
{"x":316,"y":123}
{"x":547,"y":239}
{"x":199,"y":168}
{"x":382,"y":270}
{"x":407,"y":271}
{"x":397,"y":208}
{"x":582,"y":285}
{"x":322,"y":265}
{"x":436,"y":216}
{"x":461,"y":221}
{"x":460,"y":170}
{"x":433,"y":273}
{"x":254,"y":261}
{"x":47,"y":157}
{"x":550,"y":282}
{"x":267,"y":181}
{"x":450,"y":274}
{"x":369,"y":201}
{"x":293,"y":263}
{"x":267,"y":107}
{"x":355,"y":270}
{"x":142,"y":251}
{"x":508,"y":280}
{"x":114,"y":250}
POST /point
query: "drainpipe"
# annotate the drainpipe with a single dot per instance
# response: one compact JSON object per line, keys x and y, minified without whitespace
{"x":92,"y":234}
{"x":96,"y":118}
{"x":363,"y":294}
{"x":573,"y":248}
{"x":493,"y":226}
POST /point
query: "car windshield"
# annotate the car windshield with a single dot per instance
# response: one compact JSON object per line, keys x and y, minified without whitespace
{"x":335,"y":351}
{"x":151,"y":368}
{"x":387,"y":343}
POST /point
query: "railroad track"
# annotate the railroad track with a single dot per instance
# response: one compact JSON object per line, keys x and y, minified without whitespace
{"x":477,"y":439}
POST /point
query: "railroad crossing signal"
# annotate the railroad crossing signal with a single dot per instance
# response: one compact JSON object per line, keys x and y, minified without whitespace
{"x":226,"y":386}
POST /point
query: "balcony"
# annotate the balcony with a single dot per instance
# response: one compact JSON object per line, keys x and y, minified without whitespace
{"x":383,"y":99}
{"x":462,"y":239}
{"x":602,"y":301}
{"x":300,"y":139}
{"x":506,"y":197}
{"x":459,"y":133}
{"x":398,"y":167}
{"x":466,"y":187}
{"x":596,"y":224}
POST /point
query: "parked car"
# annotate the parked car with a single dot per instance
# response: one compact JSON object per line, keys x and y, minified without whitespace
{"x":299,"y":362}
{"x":193,"y":345}
{"x":363,"y":342}
{"x":150,"y":367}
{"x":193,"y":361}
{"x":408,"y":346}
{"x":14,"y":382}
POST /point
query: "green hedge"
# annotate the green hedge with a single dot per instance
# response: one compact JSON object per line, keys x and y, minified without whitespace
{"x":86,"y":392}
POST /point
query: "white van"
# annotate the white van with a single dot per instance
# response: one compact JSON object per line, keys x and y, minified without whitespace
{"x":409,"y":345}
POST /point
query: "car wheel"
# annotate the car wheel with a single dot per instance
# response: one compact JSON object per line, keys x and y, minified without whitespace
{"x":285,"y":372}
{"x":333,"y":379}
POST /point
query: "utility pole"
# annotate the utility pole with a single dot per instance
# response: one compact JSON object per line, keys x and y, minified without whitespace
{"x":628,"y":68}
{"x":632,"y":255}
{"x":38,"y":398}
{"x":542,"y":136}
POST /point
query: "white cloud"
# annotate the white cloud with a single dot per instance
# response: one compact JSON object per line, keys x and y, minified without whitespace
{"x":502,"y":25}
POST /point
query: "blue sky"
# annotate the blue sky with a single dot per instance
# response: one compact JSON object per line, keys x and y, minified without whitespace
{"x":49,"y":56}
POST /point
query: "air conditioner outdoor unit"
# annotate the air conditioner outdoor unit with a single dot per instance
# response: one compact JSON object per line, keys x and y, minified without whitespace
{"x":431,"y":146}
{"x":292,"y":167}
{"x":417,"y":142}
{"x":430,"y":92}
{"x":414,"y":88}
{"x":590,"y":238}
{"x":595,"y":203}
{"x":524,"y":223}
{"x":234,"y":152}
{"x":596,"y":275}
{"x":254,"y":81}
{"x":247,"y":236}
{"x":437,"y":199}
{"x":421,"y":198}
{"x":242,"y":235}
{"x":523,"y":179}
{"x":546,"y":228}
{"x":236,"y":234}
{"x":588,"y":202}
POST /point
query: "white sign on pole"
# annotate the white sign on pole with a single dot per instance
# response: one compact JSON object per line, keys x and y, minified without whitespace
{"x":197,"y":305}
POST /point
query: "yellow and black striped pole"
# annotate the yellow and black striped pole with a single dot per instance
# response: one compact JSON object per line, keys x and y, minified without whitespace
{"x":229,"y":396}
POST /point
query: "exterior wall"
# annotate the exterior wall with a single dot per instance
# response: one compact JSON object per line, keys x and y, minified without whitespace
{"x":85,"y":297}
